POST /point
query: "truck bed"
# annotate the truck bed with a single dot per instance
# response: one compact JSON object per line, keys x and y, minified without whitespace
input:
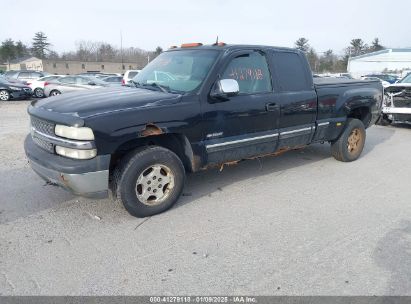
{"x":332,"y":81}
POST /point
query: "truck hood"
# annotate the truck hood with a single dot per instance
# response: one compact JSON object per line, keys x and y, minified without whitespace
{"x":89,"y":103}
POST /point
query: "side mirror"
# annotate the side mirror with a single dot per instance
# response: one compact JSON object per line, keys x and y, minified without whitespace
{"x":225,"y":88}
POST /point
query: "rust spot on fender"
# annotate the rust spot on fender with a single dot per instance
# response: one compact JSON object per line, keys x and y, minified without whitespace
{"x":64,"y":180}
{"x":151,"y":129}
{"x":196,"y":163}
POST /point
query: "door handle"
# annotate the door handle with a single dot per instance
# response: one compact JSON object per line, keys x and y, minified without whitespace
{"x":271,"y":106}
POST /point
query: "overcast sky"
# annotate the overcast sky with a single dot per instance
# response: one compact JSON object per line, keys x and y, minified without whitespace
{"x":147,"y":24}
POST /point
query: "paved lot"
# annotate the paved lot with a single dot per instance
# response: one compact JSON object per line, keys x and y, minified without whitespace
{"x":301,"y":224}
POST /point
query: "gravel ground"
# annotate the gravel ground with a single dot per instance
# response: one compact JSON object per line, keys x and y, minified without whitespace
{"x":298,"y":224}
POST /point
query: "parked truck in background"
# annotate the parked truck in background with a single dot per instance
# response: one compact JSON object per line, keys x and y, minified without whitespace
{"x":222,"y":103}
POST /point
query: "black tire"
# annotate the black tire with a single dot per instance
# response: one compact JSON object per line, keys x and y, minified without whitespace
{"x":55,"y":93}
{"x":349,"y":145}
{"x":4,"y":95}
{"x":39,"y":92}
{"x":133,"y":166}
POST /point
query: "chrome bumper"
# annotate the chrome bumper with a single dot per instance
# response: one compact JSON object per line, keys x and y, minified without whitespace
{"x":89,"y":184}
{"x":88,"y":178}
{"x":395,"y":110}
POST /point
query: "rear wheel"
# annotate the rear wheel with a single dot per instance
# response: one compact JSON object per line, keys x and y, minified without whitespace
{"x":55,"y":93}
{"x":39,"y":93}
{"x":349,"y":145}
{"x":4,"y":95}
{"x":149,"y":181}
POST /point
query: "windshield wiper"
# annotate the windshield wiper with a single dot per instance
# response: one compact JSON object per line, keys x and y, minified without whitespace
{"x":156,"y":86}
{"x":165,"y":89}
{"x":162,"y":88}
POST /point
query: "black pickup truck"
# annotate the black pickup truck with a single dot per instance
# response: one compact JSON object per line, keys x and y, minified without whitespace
{"x":192,"y":108}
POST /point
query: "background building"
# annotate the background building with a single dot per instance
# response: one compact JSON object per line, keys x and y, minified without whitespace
{"x":63,"y":67}
{"x":388,"y":60}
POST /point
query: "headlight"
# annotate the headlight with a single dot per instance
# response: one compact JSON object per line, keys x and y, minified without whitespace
{"x":15,"y":88}
{"x":75,"y":153}
{"x":82,"y":133}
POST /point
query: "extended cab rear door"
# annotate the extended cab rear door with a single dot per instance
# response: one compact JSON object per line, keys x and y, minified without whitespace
{"x":245,"y":125}
{"x":297,"y":98}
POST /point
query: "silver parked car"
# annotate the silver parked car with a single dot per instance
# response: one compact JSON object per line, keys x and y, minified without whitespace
{"x":73,"y":84}
{"x":25,"y":75}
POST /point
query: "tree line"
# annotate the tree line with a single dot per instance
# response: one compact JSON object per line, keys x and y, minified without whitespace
{"x":328,"y":61}
{"x":40,"y":47}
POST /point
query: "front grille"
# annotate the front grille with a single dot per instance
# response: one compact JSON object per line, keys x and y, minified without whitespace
{"x":402,"y":102}
{"x":42,"y":126}
{"x":49,"y":147}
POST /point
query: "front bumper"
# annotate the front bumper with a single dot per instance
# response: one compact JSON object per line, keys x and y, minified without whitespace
{"x":397,"y":114}
{"x":395,"y":110}
{"x":82,"y":177}
{"x":21,"y":94}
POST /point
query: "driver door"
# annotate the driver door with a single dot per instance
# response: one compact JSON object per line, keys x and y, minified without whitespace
{"x":245,"y":125}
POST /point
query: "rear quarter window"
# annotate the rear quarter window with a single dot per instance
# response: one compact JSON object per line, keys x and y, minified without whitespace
{"x":290,"y":71}
{"x":132,"y":74}
{"x":24,"y":75}
{"x":67,"y":80}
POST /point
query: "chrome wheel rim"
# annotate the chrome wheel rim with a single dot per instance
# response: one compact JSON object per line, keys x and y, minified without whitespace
{"x":4,"y":95}
{"x":155,"y":184}
{"x":354,"y":141}
{"x":39,"y":93}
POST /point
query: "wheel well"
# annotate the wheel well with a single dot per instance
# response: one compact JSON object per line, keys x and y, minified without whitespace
{"x":361,"y":113}
{"x":177,"y":143}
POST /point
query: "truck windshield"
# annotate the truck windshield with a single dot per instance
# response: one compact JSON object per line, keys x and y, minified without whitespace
{"x":177,"y":71}
{"x":406,"y":79}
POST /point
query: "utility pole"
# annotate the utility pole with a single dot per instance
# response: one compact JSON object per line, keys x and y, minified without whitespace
{"x":121,"y":49}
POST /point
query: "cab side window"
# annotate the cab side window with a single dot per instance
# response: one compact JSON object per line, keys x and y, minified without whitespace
{"x":291,"y":72}
{"x":251,"y":72}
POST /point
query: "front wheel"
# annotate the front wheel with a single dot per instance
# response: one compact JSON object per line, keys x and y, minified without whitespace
{"x":4,"y":95}
{"x":149,"y":181}
{"x":351,"y":142}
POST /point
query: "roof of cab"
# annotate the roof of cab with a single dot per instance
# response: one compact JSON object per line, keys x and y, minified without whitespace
{"x":231,"y":47}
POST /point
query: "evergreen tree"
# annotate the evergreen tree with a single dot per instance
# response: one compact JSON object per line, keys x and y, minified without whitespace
{"x":40,"y":45}
{"x":21,"y":49}
{"x":159,"y":50}
{"x":7,"y":50}
{"x":376,"y":46}
{"x":302,"y":44}
{"x":312,"y":58}
{"x":357,"y":47}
